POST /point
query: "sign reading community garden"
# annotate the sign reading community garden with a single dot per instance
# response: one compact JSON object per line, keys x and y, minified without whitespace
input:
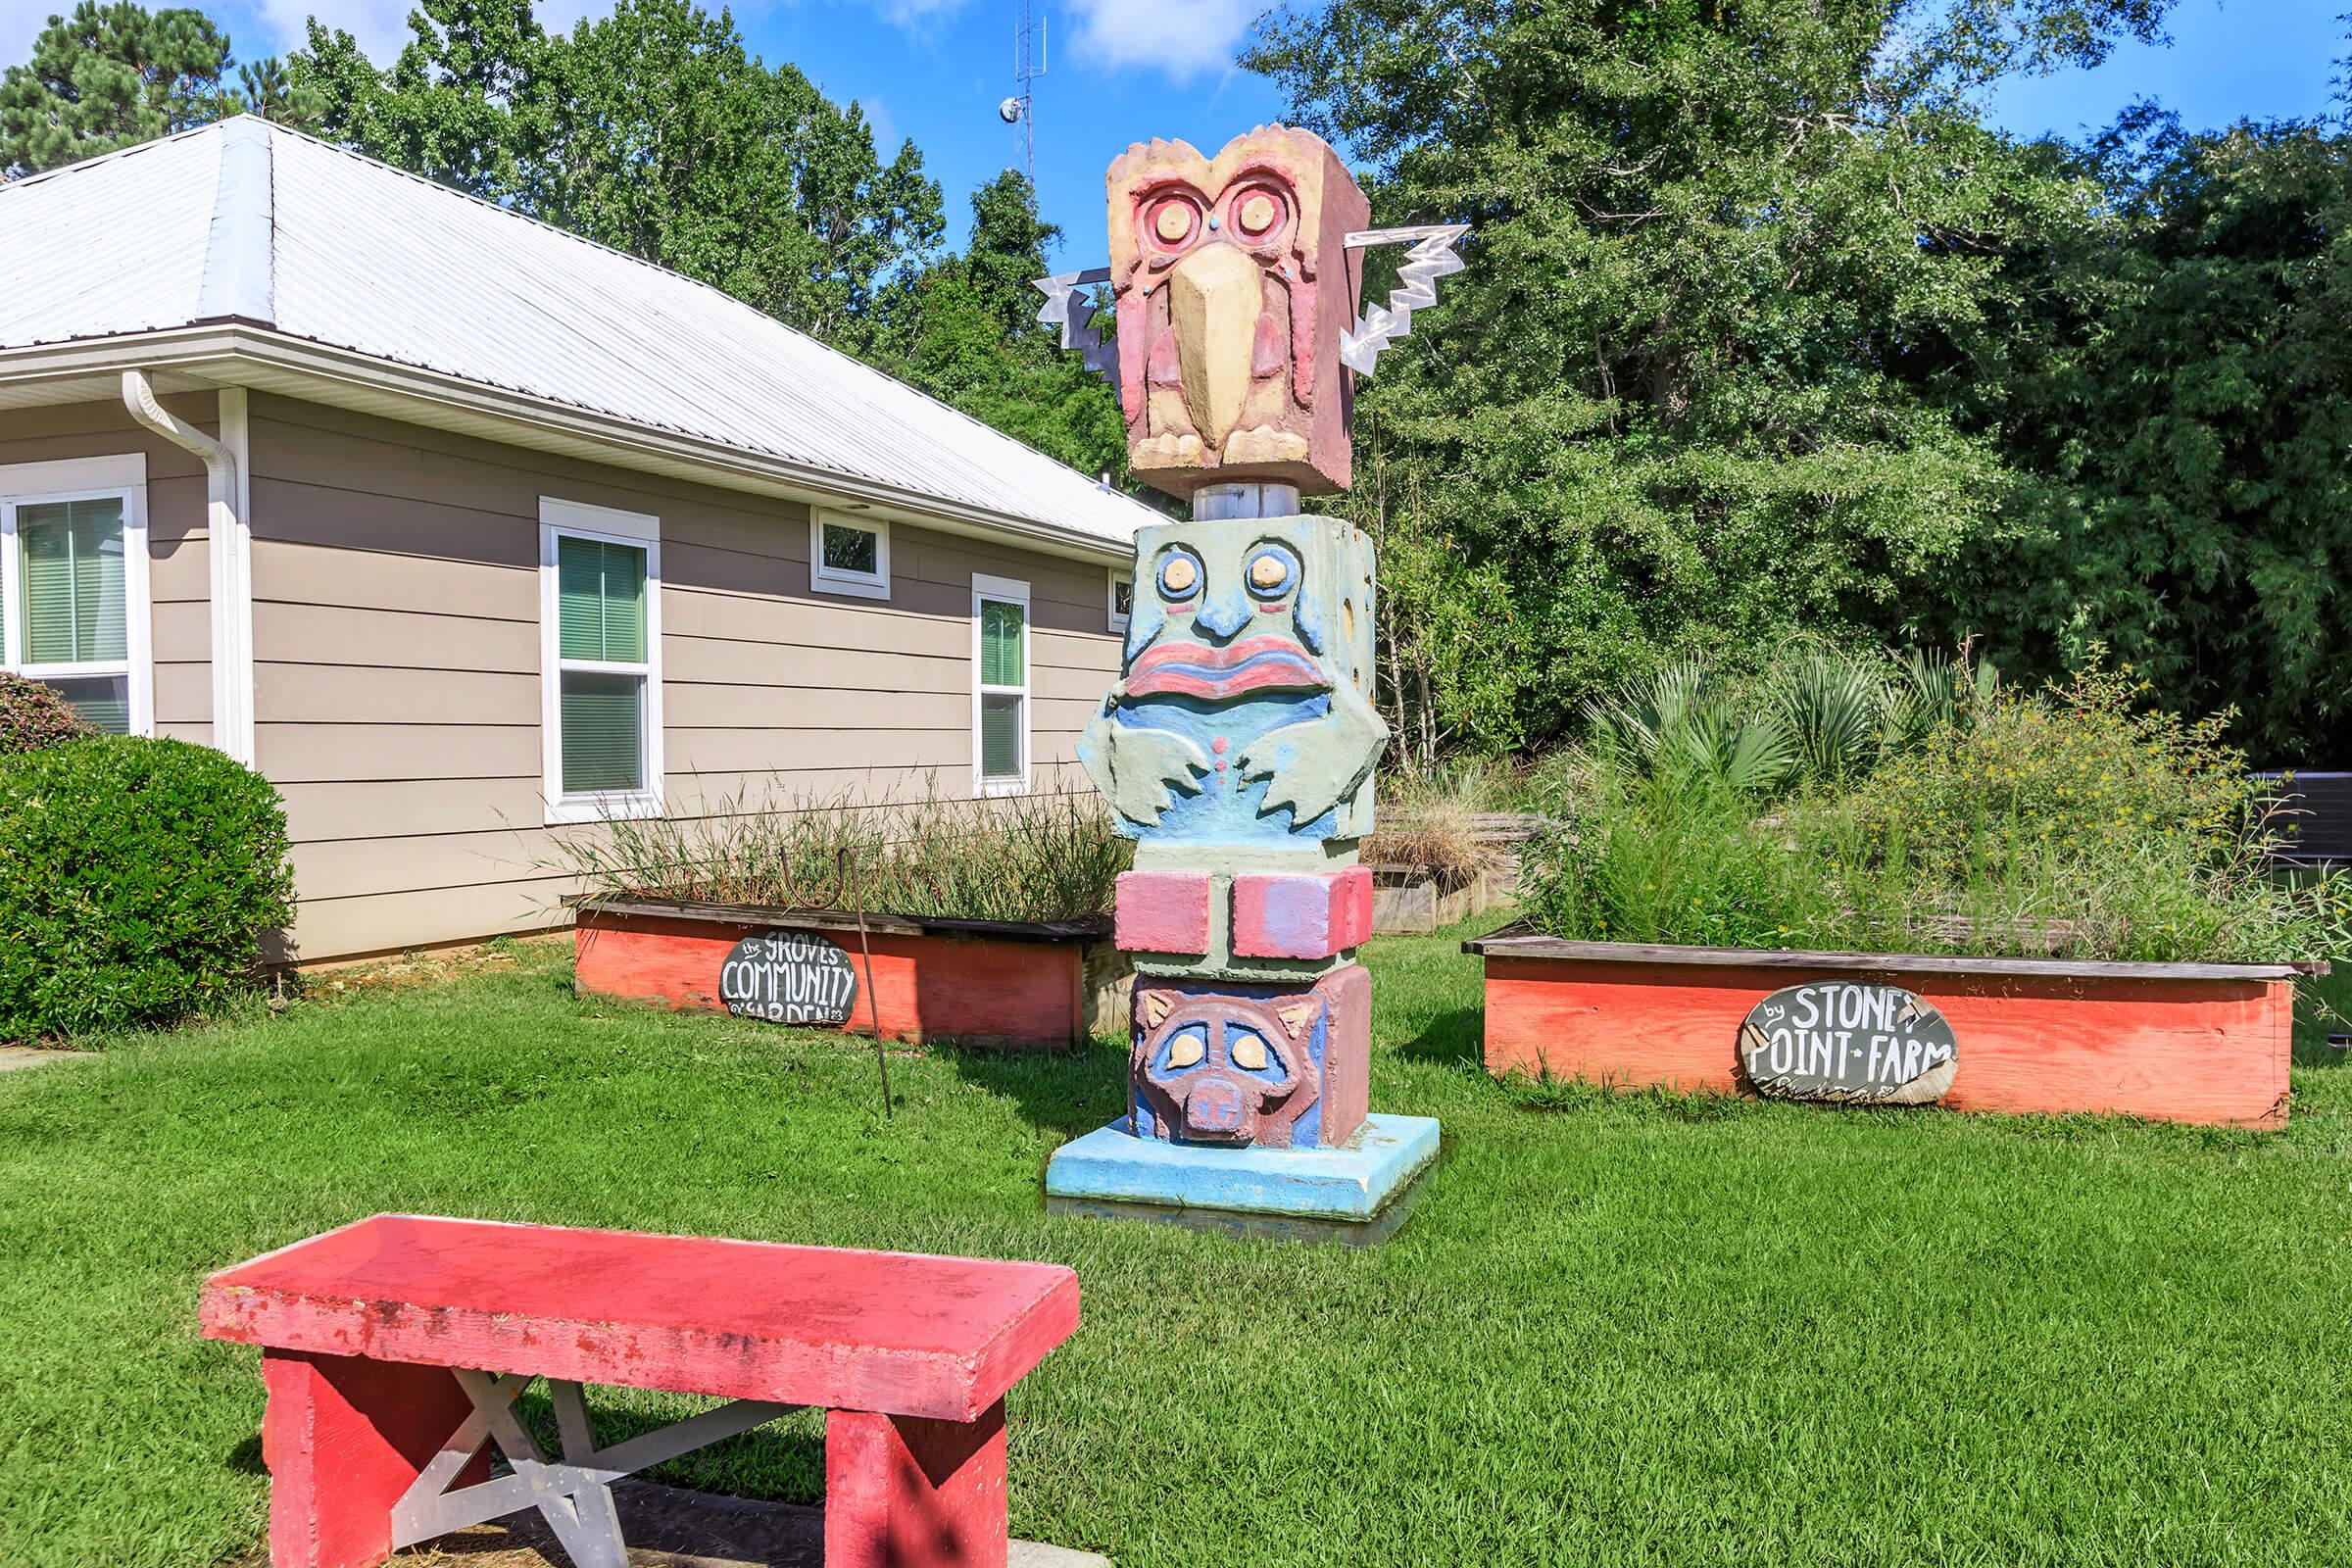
{"x":787,"y":977}
{"x":1848,"y":1040}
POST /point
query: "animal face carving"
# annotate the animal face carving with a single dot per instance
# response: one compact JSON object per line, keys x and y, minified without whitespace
{"x":1243,"y":712}
{"x":1233,"y":282}
{"x":1222,"y":1068}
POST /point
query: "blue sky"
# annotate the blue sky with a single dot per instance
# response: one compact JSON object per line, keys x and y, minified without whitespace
{"x":1122,"y":70}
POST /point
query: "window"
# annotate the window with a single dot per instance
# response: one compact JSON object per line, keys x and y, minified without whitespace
{"x":600,"y":606}
{"x":1000,"y":691}
{"x":1122,"y":599}
{"x":73,"y":585}
{"x":849,"y":556}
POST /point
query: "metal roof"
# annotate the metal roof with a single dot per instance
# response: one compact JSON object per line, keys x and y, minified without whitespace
{"x":249,"y":222}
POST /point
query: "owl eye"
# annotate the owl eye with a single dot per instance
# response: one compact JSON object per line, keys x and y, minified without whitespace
{"x":1272,"y":571}
{"x":1257,"y":212}
{"x":1171,"y":221}
{"x":1179,"y":574}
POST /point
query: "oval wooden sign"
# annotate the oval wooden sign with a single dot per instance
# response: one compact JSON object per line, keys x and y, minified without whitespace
{"x":1848,"y":1040}
{"x":787,"y":977}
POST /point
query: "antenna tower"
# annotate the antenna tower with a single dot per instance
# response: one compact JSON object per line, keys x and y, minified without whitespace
{"x":1028,"y":64}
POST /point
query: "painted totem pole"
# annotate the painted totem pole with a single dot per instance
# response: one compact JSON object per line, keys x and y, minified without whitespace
{"x":1237,"y":746}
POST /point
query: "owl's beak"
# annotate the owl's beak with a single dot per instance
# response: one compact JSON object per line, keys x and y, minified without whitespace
{"x":1215,"y":298}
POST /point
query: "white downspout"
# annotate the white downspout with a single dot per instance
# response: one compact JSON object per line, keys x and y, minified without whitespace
{"x":232,"y":579}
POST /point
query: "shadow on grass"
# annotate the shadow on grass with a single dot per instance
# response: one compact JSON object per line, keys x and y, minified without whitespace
{"x":783,"y":1461}
{"x":1067,"y":1092}
{"x":2315,"y":1049}
{"x":1454,"y":1038}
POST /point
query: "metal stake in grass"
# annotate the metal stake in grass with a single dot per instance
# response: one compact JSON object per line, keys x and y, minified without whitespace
{"x":846,"y":876}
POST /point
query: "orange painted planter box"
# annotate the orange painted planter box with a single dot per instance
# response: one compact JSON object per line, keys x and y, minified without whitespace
{"x":2173,"y":1042}
{"x":1010,"y":984}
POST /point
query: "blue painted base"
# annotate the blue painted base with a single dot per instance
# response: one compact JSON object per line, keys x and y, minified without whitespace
{"x":1348,"y":1183}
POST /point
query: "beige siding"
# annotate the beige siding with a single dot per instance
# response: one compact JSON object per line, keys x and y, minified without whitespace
{"x":180,"y":574}
{"x":395,"y":644}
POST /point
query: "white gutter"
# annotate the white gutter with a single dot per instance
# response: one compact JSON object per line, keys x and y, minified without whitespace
{"x":226,"y":527}
{"x":202,"y":348}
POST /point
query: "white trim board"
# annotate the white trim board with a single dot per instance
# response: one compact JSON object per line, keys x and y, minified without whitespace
{"x":583,"y":520}
{"x":824,"y":579}
{"x":76,"y":479}
{"x":1007,"y":591}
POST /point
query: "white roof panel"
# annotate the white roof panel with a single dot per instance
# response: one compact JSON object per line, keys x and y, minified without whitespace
{"x":251,"y":221}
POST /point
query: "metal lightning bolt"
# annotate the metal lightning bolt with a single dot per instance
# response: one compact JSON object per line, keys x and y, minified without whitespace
{"x":1430,"y":258}
{"x":1073,"y":313}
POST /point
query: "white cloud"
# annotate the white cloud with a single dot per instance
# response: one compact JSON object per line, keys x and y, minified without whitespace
{"x":1181,"y":37}
{"x":915,"y":15}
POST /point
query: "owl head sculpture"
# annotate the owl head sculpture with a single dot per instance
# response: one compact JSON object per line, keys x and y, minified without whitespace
{"x":1233,"y":282}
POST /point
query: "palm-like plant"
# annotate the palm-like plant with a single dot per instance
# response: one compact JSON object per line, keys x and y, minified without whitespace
{"x":1680,"y":727}
{"x":1835,"y":709}
{"x":1932,"y":689}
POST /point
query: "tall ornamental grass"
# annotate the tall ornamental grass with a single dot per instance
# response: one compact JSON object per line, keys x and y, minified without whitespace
{"x":2066,"y":822}
{"x":1054,"y":856}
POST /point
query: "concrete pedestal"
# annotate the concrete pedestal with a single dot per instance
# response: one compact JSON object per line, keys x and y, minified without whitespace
{"x":1352,"y":1182}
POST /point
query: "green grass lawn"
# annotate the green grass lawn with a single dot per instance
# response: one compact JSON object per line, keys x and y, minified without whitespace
{"x":1615,"y":1331}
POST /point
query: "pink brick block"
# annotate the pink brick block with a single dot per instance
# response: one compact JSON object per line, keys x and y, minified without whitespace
{"x":1298,"y":914}
{"x":1163,"y":911}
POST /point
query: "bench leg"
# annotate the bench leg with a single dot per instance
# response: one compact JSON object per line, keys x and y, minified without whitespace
{"x":902,"y":1492}
{"x":344,"y":1436}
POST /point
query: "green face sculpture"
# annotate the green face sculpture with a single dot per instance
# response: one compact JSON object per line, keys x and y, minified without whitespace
{"x":1243,"y":716}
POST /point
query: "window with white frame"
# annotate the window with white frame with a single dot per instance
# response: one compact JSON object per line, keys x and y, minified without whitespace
{"x":848,"y":555}
{"x":1001,"y":685}
{"x":73,"y":606}
{"x":1122,"y":599}
{"x":600,"y":641}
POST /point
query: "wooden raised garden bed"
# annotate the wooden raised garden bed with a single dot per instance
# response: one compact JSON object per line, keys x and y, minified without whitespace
{"x":1022,"y":984}
{"x":2178,"y":1042}
{"x":1409,"y":901}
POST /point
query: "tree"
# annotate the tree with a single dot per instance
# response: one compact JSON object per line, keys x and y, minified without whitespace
{"x":263,"y":88}
{"x":1692,"y":393}
{"x":973,"y":339}
{"x":653,"y":131}
{"x":109,"y":76}
{"x":2178,"y":410}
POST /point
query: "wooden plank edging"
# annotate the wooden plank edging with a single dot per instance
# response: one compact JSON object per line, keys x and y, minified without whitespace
{"x":1095,"y":928}
{"x":1529,"y":946}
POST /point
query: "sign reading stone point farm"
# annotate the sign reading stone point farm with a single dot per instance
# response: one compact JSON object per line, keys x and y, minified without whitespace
{"x":787,"y":977}
{"x":1848,"y":1040}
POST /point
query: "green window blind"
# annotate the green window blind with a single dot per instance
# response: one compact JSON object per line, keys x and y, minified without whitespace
{"x":103,"y":699}
{"x":600,"y":592}
{"x":1000,"y":737}
{"x":74,"y":589}
{"x":604,"y":732}
{"x":1001,"y":643}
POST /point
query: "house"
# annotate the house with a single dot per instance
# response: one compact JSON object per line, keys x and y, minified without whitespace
{"x":465,"y":531}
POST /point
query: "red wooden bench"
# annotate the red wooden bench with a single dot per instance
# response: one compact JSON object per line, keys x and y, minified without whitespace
{"x":373,"y":1444}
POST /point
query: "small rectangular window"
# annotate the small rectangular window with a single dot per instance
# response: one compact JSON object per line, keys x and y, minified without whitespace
{"x":601,"y":571}
{"x":849,"y":556}
{"x":73,"y":585}
{"x":1000,"y":688}
{"x":1122,"y":599}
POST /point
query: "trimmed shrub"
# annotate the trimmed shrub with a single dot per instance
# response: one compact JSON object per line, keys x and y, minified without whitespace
{"x":138,"y":879}
{"x":33,"y":715}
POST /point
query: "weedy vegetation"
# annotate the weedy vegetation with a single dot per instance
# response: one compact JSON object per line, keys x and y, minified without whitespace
{"x":1051,"y":855}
